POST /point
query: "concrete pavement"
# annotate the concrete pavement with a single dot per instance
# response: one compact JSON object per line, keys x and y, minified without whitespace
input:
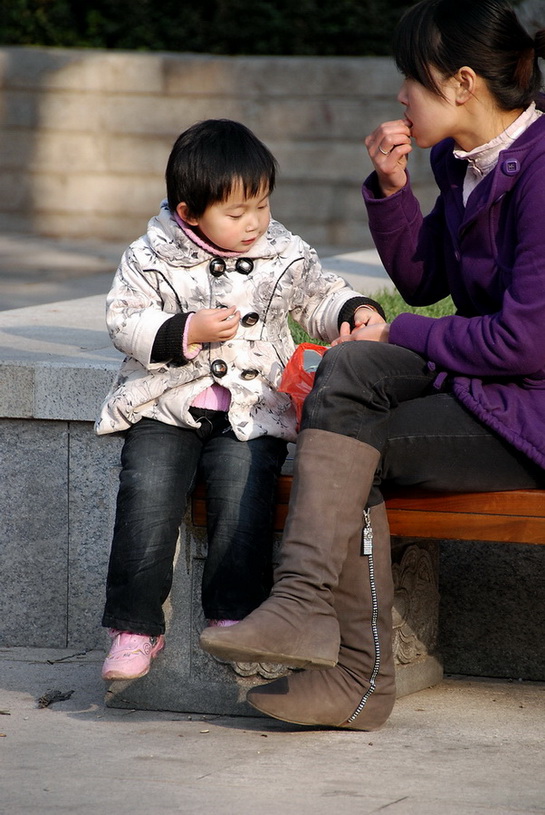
{"x":36,"y":270}
{"x":465,"y":747}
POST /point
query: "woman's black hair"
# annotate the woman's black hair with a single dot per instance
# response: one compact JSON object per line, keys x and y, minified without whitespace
{"x":485,"y":35}
{"x":209,"y":158}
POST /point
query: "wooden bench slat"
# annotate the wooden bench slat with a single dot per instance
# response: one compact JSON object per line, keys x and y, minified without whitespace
{"x":198,"y":513}
{"x":466,"y":526}
{"x":515,"y":502}
{"x":516,"y":516}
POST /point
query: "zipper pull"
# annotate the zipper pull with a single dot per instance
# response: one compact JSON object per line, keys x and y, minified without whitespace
{"x":367,"y":534}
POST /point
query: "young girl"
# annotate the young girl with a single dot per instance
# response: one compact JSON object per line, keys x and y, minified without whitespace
{"x":456,"y":403}
{"x":200,"y":307}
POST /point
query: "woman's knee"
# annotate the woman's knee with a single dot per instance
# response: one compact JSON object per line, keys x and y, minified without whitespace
{"x":366,"y":361}
{"x":363,"y":376}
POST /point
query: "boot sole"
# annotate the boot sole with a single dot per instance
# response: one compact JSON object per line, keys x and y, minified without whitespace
{"x":316,"y":725}
{"x":241,"y":654}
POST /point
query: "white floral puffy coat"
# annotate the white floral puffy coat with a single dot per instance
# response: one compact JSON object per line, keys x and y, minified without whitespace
{"x":164,"y":273}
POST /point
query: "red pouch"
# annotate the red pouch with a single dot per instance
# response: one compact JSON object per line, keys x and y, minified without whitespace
{"x":298,"y":377}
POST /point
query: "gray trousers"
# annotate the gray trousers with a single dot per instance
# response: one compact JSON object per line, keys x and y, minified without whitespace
{"x":384,"y":395}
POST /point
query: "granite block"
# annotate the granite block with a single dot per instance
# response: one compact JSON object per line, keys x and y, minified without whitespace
{"x":93,"y":467}
{"x":16,"y":390}
{"x":492,"y":609}
{"x":207,"y":75}
{"x":86,"y":163}
{"x":64,"y":70}
{"x":34,"y":533}
{"x":73,"y":392}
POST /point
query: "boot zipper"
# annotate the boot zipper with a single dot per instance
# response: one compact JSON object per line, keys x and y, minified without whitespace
{"x":367,"y":550}
{"x":367,"y":534}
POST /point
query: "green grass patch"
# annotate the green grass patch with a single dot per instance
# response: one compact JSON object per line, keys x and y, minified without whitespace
{"x":393,"y":304}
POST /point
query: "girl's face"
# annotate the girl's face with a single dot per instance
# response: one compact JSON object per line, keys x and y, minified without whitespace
{"x":236,"y":223}
{"x":431,"y":117}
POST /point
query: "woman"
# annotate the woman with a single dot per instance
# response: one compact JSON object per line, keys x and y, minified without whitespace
{"x":456,"y":403}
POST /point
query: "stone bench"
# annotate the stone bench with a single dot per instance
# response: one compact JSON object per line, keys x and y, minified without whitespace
{"x":57,"y":501}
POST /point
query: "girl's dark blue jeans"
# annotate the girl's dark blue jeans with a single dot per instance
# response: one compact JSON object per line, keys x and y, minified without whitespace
{"x":160,"y":465}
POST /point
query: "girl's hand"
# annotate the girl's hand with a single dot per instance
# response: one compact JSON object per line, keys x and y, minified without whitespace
{"x":213,"y":325}
{"x":363,"y":316}
{"x":367,"y":315}
{"x":388,"y":147}
{"x":372,"y":332}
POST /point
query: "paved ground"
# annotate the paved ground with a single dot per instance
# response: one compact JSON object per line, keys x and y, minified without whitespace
{"x":465,"y":747}
{"x":35,"y":270}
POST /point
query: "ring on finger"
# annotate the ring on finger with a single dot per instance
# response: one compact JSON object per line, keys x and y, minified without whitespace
{"x":385,"y":152}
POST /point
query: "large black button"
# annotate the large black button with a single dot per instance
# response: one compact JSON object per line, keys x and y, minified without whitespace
{"x":219,"y":368}
{"x":217,"y":267}
{"x":244,"y":265}
{"x":250,"y":319}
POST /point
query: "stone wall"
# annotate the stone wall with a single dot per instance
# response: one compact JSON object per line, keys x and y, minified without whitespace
{"x":85,"y":134}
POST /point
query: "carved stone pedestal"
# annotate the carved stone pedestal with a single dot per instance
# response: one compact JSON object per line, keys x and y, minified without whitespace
{"x":184,"y":678}
{"x":416,"y":614}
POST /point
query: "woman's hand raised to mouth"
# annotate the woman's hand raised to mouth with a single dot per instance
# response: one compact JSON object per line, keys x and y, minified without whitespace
{"x":388,"y":147}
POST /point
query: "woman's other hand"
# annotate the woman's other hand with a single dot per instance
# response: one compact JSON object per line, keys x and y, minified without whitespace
{"x":375,"y":331}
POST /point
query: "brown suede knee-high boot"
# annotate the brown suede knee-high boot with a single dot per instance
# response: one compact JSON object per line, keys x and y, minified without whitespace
{"x":359,"y":692}
{"x":297,"y":624}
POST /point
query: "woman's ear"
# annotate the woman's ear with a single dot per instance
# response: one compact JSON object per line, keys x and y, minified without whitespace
{"x":466,"y":82}
{"x":183,"y":211}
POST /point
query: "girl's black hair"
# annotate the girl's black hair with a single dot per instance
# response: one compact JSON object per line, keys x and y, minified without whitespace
{"x":485,"y":35}
{"x":208,"y":158}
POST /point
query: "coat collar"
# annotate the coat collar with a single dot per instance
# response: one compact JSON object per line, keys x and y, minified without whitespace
{"x":450,"y":171}
{"x":174,"y":245}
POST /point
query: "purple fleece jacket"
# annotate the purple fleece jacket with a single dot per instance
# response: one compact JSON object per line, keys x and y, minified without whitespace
{"x":490,"y":257}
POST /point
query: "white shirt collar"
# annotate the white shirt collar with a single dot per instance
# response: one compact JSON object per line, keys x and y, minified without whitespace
{"x":482,"y":159}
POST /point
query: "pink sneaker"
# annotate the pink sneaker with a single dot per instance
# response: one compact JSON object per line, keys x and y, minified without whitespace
{"x":221,"y":623}
{"x":130,"y":655}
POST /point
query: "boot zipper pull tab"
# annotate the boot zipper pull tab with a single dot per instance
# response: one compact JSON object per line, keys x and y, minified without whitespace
{"x":367,"y":534}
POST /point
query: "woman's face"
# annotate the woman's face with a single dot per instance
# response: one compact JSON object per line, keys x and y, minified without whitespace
{"x":431,"y":117}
